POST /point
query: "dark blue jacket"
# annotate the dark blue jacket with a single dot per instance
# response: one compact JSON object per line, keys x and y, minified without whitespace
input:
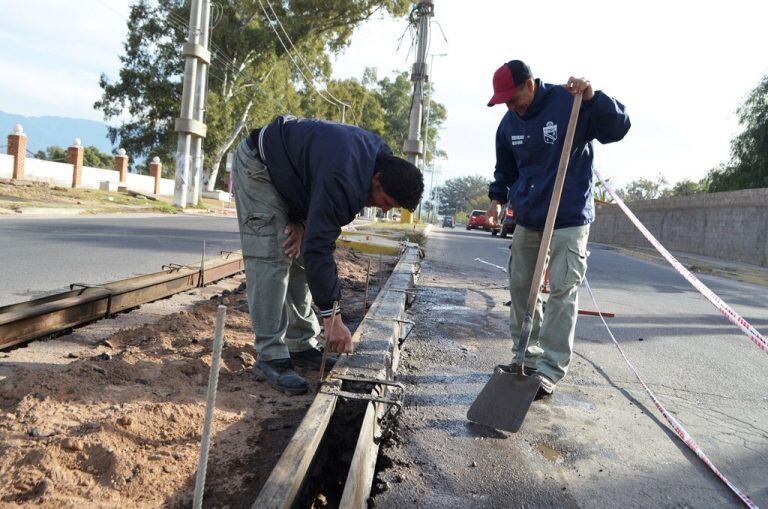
{"x":323,"y":170}
{"x":528,"y":153}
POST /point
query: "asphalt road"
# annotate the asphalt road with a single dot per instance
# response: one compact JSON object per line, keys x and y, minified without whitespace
{"x":45,"y":255}
{"x":599,"y":441}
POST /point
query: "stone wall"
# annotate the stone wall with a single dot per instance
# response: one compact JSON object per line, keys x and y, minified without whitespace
{"x":730,"y":226}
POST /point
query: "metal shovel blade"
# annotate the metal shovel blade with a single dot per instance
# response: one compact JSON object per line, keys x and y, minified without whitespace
{"x":505,"y":400}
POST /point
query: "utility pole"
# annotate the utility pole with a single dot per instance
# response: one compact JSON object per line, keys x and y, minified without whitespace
{"x":413,"y":147}
{"x":426,"y":123}
{"x":201,"y":90}
{"x":187,"y":125}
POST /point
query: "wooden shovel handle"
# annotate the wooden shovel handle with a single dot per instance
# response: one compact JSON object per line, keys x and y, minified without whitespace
{"x":554,"y":203}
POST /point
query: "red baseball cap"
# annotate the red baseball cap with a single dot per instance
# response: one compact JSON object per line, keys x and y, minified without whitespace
{"x":506,"y":79}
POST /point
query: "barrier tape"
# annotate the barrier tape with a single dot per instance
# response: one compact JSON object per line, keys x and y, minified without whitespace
{"x":727,"y":311}
{"x":676,"y":426}
{"x":491,"y":264}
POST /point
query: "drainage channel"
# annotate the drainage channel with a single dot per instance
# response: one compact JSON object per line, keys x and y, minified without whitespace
{"x":331,"y":459}
{"x":27,"y":321}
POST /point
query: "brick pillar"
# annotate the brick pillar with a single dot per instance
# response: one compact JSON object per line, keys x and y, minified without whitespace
{"x":17,"y":147}
{"x":156,"y":170}
{"x":121,"y":165}
{"x":75,"y":156}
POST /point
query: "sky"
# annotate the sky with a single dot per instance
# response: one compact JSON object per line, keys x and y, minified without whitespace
{"x":681,"y":68}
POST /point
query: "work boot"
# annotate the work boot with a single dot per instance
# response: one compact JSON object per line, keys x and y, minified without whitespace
{"x":527,"y":369}
{"x":279,"y":374}
{"x":546,"y":388}
{"x":312,"y":359}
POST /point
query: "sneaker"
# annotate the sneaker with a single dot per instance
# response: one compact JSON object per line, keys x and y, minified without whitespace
{"x":312,"y":359}
{"x":279,"y":374}
{"x":546,"y":388}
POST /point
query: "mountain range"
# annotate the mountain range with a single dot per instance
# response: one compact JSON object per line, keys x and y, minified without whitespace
{"x":43,"y":132}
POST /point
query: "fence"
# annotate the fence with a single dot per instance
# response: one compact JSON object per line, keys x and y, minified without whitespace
{"x":16,"y":164}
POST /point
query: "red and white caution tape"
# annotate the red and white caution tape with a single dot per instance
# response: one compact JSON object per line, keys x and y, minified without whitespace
{"x":727,"y":311}
{"x":676,"y":426}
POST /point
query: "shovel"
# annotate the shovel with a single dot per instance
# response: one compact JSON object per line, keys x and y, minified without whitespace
{"x":506,"y":398}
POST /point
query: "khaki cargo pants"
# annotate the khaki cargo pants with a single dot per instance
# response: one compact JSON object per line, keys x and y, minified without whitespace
{"x":278,"y":296}
{"x":551,"y":343}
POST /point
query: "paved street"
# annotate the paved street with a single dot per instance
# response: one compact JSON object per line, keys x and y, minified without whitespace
{"x":43,"y":255}
{"x":599,"y":441}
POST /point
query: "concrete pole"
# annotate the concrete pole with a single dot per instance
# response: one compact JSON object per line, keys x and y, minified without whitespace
{"x":195,"y":184}
{"x":413,"y":145}
{"x":186,"y":125}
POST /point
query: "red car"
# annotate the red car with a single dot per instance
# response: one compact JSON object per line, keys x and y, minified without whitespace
{"x":476,"y":221}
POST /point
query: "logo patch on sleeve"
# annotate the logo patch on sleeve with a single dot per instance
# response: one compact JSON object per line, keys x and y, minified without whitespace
{"x":550,"y":132}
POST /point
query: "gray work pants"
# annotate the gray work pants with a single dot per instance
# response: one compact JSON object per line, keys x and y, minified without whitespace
{"x":551,"y":342}
{"x":278,"y":296}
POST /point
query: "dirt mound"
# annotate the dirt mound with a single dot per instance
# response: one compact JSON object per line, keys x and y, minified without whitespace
{"x":121,"y":428}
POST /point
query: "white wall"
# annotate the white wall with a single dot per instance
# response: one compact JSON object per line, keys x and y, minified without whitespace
{"x":60,"y":174}
{"x":6,"y":166}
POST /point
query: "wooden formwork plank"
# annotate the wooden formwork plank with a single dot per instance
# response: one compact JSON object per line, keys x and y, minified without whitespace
{"x":376,"y":345}
{"x":286,"y":478}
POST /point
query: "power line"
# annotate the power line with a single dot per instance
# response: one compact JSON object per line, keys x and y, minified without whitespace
{"x":298,"y":67}
{"x":306,"y":64}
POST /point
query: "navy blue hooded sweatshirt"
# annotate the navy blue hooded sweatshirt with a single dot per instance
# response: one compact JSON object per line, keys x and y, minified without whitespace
{"x":323,"y":171}
{"x":528,"y":153}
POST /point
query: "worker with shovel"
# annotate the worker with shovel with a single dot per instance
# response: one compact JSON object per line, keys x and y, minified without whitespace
{"x":297,"y":182}
{"x":529,"y":143}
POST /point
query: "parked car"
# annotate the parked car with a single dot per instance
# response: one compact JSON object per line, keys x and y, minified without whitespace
{"x":448,"y":222}
{"x":508,"y":223}
{"x":476,"y":220}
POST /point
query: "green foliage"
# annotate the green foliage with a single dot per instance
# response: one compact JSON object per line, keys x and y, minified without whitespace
{"x":463,"y":194}
{"x":643,"y":189}
{"x":748,"y":167}
{"x":251,"y":78}
{"x":53,"y":153}
{"x":647,"y":189}
{"x":95,"y":158}
{"x":92,"y":156}
{"x":687,"y":187}
{"x":600,"y":193}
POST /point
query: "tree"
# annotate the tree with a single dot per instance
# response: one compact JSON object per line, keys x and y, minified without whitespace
{"x":92,"y":156}
{"x":53,"y":153}
{"x":748,"y":167}
{"x":463,"y":194}
{"x":252,"y":79}
{"x":643,"y":189}
{"x":687,"y":187}
{"x":95,"y":158}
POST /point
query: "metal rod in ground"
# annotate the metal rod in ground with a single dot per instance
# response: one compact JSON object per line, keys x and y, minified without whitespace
{"x":325,"y":350}
{"x":367,"y":281}
{"x":202,"y":267}
{"x":210,"y":404}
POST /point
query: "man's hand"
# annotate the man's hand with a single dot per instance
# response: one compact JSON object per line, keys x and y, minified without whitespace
{"x":294,"y":234}
{"x":492,"y":215}
{"x":337,"y":336}
{"x":580,"y":86}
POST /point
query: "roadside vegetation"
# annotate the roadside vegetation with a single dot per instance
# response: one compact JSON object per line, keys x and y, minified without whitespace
{"x":252,"y":77}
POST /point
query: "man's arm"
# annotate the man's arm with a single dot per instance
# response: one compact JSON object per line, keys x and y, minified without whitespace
{"x":606,"y":118}
{"x":323,"y":228}
{"x":503,"y":178}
